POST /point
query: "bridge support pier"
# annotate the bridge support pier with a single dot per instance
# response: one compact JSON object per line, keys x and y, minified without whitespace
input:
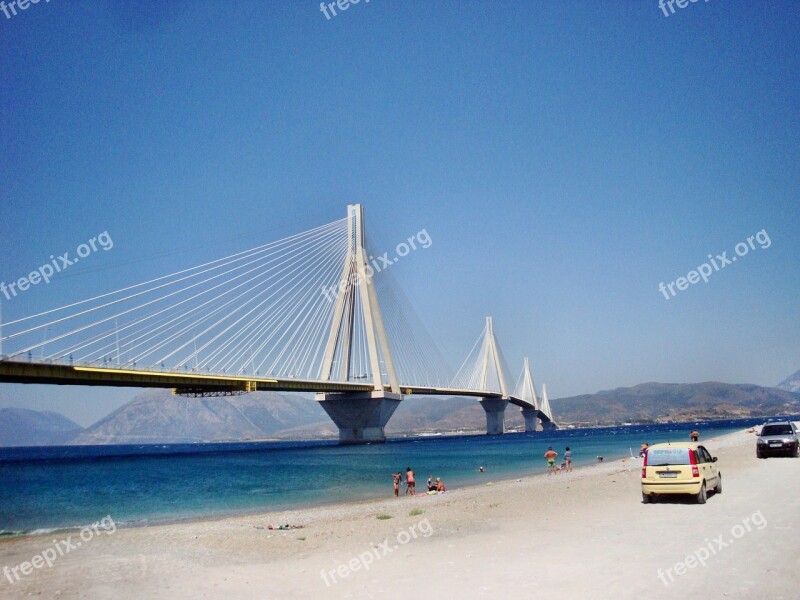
{"x":548,"y":426}
{"x":495,"y":414}
{"x":360,"y":416}
{"x":531,"y":419}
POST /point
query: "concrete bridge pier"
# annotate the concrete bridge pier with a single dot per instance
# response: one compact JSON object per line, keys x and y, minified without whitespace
{"x":495,"y":414}
{"x":548,"y":425}
{"x":531,"y":416}
{"x":360,"y":416}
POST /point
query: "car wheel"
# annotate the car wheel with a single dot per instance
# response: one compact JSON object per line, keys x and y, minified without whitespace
{"x":646,"y":499}
{"x":718,"y":489}
{"x":701,"y":495}
{"x":797,"y":451}
{"x":759,"y":454}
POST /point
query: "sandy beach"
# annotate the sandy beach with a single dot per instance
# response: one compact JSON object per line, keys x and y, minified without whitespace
{"x":572,"y":535}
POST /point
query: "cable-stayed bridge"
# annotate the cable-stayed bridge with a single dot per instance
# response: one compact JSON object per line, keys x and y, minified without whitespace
{"x":313,"y":312}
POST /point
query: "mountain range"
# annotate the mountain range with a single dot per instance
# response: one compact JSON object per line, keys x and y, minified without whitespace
{"x":791,"y":383}
{"x":156,"y":416}
{"x":660,"y":402}
{"x":23,"y":427}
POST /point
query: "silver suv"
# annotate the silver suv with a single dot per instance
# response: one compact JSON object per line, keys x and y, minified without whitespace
{"x":778,"y":438}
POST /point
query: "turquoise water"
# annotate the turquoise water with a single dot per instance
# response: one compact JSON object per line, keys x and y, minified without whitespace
{"x":61,"y":487}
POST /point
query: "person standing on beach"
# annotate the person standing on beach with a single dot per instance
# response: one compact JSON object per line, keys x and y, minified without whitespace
{"x":411,"y":484}
{"x":694,"y":436}
{"x":396,"y":479}
{"x":568,"y":458}
{"x":550,"y":457}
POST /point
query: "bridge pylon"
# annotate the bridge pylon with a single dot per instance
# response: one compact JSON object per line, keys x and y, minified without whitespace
{"x":360,"y":416}
{"x":547,"y":421}
{"x":494,"y":407}
{"x":527,"y":392}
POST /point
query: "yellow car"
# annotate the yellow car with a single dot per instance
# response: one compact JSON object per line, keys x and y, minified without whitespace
{"x":679,"y":468}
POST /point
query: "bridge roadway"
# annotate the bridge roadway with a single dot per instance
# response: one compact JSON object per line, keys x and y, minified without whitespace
{"x":188,"y":382}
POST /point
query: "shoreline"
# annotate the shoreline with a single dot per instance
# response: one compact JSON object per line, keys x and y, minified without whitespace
{"x":260,"y":512}
{"x":474,"y":480}
{"x":342,"y":505}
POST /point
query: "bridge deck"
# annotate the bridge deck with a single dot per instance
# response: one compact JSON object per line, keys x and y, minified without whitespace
{"x":193,"y":382}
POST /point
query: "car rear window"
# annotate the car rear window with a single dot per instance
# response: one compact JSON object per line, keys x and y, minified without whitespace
{"x":777,"y":430}
{"x":668,"y":456}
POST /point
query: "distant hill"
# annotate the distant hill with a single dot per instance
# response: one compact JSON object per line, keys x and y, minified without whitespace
{"x":422,"y":413}
{"x":23,"y":427}
{"x":675,"y":402}
{"x":791,"y":383}
{"x":158,"y":417}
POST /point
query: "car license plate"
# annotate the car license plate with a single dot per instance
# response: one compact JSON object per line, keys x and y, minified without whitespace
{"x":671,"y":474}
{"x":774,"y":443}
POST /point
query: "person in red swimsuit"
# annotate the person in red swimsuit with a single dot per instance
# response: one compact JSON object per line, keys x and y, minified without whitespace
{"x":411,"y":484}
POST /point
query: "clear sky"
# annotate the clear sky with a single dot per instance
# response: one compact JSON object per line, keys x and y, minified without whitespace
{"x":565,"y":158}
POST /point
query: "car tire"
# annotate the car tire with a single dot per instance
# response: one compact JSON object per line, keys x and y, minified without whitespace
{"x":718,"y":488}
{"x":701,"y":495}
{"x":646,"y":499}
{"x":760,"y":454}
{"x":797,"y":452}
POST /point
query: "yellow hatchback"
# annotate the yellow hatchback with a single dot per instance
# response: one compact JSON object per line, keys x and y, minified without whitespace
{"x":679,"y":468}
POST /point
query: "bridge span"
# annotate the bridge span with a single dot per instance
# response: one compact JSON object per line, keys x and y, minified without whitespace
{"x":213,"y":330}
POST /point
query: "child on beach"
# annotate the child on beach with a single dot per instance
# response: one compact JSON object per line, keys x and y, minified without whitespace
{"x":396,"y":479}
{"x":568,"y":459}
{"x":550,"y":457}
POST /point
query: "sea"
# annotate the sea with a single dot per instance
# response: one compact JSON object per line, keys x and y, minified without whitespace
{"x":45,"y":489}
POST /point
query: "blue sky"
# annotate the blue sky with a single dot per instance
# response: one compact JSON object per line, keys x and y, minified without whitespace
{"x":565,"y":158}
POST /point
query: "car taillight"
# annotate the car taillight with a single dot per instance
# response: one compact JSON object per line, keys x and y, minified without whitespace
{"x":693,"y":462}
